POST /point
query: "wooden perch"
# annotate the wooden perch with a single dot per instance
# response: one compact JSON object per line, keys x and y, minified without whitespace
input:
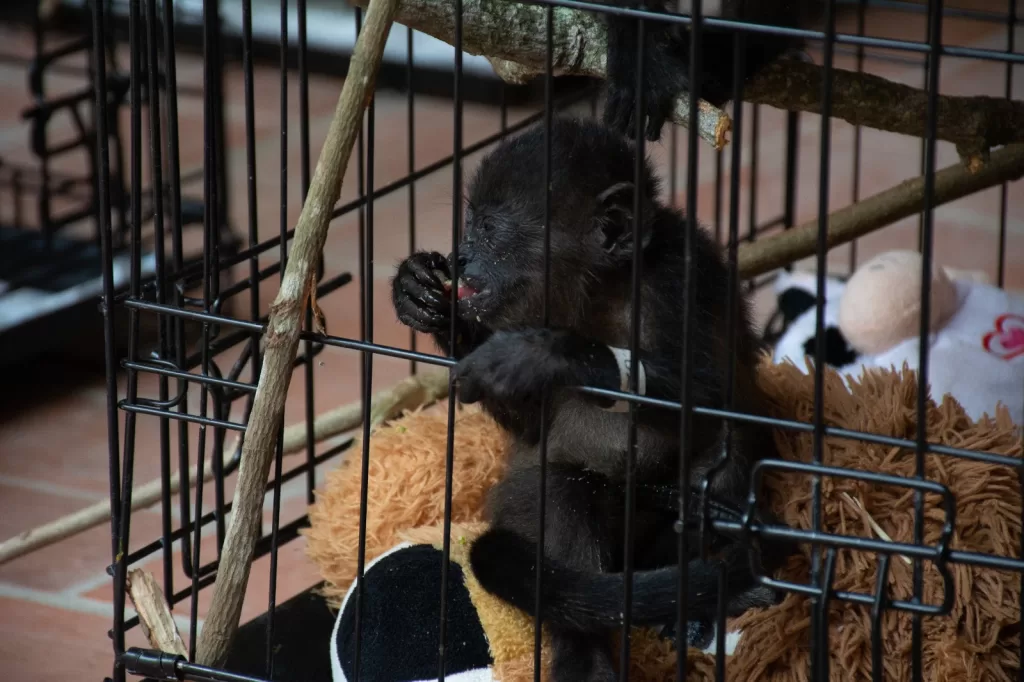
{"x":411,"y":392}
{"x":283,"y":328}
{"x":154,"y":613}
{"x":415,"y":391}
{"x":884,"y":208}
{"x":513,"y":37}
{"x":973,"y":124}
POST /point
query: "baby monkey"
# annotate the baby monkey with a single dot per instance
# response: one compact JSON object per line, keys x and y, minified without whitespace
{"x":507,"y":359}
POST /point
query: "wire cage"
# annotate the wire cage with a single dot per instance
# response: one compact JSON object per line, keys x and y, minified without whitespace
{"x":197,"y":378}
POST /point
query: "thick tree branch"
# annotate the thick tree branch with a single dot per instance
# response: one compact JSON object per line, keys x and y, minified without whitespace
{"x":513,"y":37}
{"x":974,"y":124}
{"x":283,"y":327}
{"x":884,"y":208}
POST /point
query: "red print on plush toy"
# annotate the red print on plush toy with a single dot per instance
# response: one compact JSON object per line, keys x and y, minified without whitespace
{"x":1007,"y":341}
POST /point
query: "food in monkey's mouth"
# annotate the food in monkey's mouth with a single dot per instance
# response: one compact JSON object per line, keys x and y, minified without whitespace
{"x":465,"y":291}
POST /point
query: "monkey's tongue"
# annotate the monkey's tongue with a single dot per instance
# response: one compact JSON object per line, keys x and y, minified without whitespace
{"x":465,"y":291}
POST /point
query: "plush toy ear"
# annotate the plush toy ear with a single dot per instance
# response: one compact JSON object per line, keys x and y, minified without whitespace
{"x":615,"y":220}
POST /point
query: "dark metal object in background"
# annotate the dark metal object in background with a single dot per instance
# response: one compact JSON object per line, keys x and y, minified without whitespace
{"x":164,"y":296}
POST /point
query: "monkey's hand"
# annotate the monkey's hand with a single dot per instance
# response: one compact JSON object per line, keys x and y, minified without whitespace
{"x":666,"y":71}
{"x":516,"y":367}
{"x":418,"y":293}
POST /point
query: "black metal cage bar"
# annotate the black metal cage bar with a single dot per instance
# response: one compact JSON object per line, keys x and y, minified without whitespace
{"x":210,"y":319}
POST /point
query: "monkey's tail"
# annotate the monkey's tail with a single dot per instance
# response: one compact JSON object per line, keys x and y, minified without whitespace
{"x":504,"y":563}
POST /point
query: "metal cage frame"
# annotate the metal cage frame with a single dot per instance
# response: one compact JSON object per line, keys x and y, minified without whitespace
{"x":151,"y":34}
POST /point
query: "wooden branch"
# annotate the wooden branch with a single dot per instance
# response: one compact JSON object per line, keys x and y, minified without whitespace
{"x":95,"y":514}
{"x":514,"y":39}
{"x":411,"y":392}
{"x":884,"y":208}
{"x":415,"y":391}
{"x":974,"y":124}
{"x":283,"y":328}
{"x":154,"y":613}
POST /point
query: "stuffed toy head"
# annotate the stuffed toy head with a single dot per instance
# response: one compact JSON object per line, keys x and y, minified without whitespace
{"x":882,"y":302}
{"x":872,"y":321}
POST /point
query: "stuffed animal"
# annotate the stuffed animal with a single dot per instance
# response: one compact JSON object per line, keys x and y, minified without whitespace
{"x":978,"y":641}
{"x":488,"y":641}
{"x":976,"y":344}
{"x":791,"y":329}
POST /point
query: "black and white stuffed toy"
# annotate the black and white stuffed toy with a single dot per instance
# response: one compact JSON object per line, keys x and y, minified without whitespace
{"x":401,"y":623}
{"x":791,"y":330}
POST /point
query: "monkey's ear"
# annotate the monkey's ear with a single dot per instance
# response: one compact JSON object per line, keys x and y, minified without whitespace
{"x":618,"y":195}
{"x":615,"y":220}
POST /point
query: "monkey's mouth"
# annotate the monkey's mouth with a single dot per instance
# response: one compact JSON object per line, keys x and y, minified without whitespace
{"x":472,"y":297}
{"x":466,"y":290}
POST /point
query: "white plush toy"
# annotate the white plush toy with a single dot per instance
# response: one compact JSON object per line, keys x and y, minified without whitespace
{"x":976,"y":344}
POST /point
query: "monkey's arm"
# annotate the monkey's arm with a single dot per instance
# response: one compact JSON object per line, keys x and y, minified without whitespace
{"x":468,"y":337}
{"x":516,"y":367}
{"x":421,"y":302}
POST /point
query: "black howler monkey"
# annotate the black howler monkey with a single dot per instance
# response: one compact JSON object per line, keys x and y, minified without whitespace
{"x":507,"y":359}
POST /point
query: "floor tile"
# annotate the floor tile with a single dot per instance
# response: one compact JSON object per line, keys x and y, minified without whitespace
{"x":30,"y":633}
{"x":60,"y":565}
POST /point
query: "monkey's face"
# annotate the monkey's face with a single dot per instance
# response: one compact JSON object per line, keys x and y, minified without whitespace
{"x":501,"y":267}
{"x":501,"y":258}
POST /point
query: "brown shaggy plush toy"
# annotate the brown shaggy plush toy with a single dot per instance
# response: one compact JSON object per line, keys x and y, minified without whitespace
{"x":977,"y":640}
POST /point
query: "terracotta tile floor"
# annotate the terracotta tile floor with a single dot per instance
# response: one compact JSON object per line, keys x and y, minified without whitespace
{"x":62,"y":592}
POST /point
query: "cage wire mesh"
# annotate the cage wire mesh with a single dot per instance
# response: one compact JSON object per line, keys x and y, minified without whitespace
{"x":198,"y":376}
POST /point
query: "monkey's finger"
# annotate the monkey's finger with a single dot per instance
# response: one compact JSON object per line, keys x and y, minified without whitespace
{"x":655,"y":119}
{"x":428,"y":295}
{"x":438,"y":262}
{"x":421,"y":319}
{"x":616,"y":110}
{"x":627,"y":116}
{"x":425,"y":266}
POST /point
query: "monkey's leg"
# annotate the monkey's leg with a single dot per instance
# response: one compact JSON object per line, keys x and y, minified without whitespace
{"x":665,"y":71}
{"x":582,"y":530}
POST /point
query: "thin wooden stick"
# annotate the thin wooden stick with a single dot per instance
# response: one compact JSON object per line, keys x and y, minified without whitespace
{"x":415,"y":391}
{"x":283,"y":328}
{"x":884,"y":208}
{"x":409,"y":393}
{"x":154,"y":613}
{"x":95,"y":514}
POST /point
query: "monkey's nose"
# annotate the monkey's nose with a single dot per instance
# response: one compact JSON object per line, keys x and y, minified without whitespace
{"x":462,"y":261}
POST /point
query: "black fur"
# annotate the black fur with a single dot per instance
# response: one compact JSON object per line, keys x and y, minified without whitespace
{"x":507,"y":360}
{"x":667,"y":58}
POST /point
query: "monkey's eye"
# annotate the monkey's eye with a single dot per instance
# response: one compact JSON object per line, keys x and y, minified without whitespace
{"x":484,"y":225}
